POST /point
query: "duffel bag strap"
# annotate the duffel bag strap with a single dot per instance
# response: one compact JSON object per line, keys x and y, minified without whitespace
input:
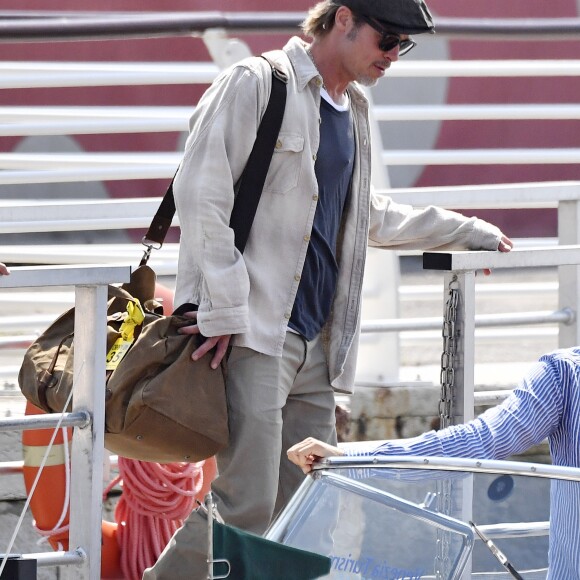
{"x":252,"y":180}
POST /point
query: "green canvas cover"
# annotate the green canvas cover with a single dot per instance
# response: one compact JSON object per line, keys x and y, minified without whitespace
{"x":252,"y":557}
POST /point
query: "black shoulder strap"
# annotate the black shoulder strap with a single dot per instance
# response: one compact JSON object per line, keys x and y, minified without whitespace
{"x":252,"y":180}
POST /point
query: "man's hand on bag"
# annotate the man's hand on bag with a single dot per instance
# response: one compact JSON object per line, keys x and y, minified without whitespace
{"x":219,"y":342}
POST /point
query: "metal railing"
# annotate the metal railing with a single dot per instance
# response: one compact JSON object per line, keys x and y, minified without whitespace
{"x":460,"y":269}
{"x":88,"y":407}
{"x":41,"y":216}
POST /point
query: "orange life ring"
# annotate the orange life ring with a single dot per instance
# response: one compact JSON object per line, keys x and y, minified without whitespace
{"x":165,"y":296}
{"x":48,"y":502}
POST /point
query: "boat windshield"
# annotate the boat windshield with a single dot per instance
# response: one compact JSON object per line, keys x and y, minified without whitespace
{"x":407,"y":518}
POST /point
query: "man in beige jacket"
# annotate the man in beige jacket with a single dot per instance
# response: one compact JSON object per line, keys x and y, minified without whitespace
{"x":288,"y":310}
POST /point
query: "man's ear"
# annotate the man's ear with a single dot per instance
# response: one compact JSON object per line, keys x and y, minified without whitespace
{"x":343,"y":19}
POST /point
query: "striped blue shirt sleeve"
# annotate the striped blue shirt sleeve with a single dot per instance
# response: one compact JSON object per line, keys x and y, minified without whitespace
{"x":531,"y":413}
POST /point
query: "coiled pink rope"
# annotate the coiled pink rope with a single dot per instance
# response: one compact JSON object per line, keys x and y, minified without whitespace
{"x":156,"y":499}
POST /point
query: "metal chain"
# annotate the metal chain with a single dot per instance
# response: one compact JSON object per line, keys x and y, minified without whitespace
{"x":442,"y":560}
{"x":448,"y":356}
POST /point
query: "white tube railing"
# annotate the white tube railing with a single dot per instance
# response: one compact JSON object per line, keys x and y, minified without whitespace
{"x":89,"y":166}
{"x":44,"y":74}
{"x":65,"y":74}
{"x":93,"y":122}
{"x":87,"y":449}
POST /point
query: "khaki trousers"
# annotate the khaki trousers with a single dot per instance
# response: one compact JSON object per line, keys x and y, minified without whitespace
{"x":273,"y":402}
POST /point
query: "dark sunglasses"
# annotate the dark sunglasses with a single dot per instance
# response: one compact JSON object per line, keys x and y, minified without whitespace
{"x":389,"y":41}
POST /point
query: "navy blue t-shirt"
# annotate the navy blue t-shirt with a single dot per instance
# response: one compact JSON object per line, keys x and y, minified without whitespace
{"x":333,"y":168}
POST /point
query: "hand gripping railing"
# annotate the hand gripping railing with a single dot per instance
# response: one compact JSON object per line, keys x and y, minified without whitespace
{"x":88,"y":407}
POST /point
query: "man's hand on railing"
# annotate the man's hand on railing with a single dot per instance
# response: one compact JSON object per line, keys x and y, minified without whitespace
{"x":3,"y":269}
{"x":505,"y":245}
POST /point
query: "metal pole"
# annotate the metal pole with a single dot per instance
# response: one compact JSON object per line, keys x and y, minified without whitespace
{"x":569,"y":276}
{"x":87,"y":453}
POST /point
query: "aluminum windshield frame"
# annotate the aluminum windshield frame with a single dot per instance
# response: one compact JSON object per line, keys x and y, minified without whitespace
{"x":521,"y":468}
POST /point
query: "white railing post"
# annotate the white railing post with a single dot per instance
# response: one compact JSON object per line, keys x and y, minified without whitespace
{"x":460,"y":268}
{"x":569,"y":276}
{"x":87,"y":452}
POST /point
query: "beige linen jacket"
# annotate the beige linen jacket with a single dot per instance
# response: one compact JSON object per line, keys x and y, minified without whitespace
{"x":251,"y":296}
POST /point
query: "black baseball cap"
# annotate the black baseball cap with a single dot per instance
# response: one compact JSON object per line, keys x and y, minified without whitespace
{"x":398,"y":16}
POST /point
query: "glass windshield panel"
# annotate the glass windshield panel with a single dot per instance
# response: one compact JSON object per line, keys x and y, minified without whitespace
{"x":412,"y":523}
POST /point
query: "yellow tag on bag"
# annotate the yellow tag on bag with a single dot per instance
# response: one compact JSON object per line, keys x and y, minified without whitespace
{"x":134,"y":317}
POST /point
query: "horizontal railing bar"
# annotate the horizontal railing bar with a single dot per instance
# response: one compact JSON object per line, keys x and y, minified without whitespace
{"x":475,"y":112}
{"x":61,"y":211}
{"x":11,"y":467}
{"x":16,"y":342}
{"x":47,"y":161}
{"x":164,"y":170}
{"x":563,"y":316}
{"x":56,"y":299}
{"x":88,"y":127}
{"x":59,"y":558}
{"x":529,"y":258}
{"x":9,"y":114}
{"x":21,"y":213}
{"x":40,"y":74}
{"x":22,"y":322}
{"x":48,"y":421}
{"x":78,"y":225}
{"x":161,"y":24}
{"x":15,"y":467}
{"x":12,"y":114}
{"x":82,"y":253}
{"x":43,"y":276}
{"x":483,"y":68}
{"x":163,"y":164}
{"x":46,"y":75}
{"x":90,"y":122}
{"x":537,"y":194}
{"x":516,"y":530}
{"x":120,"y":173}
{"x":49,"y":67}
{"x":523,"y":156}
{"x":487,"y":334}
{"x":429,"y":334}
{"x":146,"y":25}
{"x":432,"y":291}
{"x":405,"y":291}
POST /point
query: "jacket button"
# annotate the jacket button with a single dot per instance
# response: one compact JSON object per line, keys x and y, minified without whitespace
{"x":314,"y":157}
{"x":307,"y":238}
{"x":287,"y":316}
{"x":278,"y":144}
{"x":297,"y":278}
{"x":315,"y":197}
